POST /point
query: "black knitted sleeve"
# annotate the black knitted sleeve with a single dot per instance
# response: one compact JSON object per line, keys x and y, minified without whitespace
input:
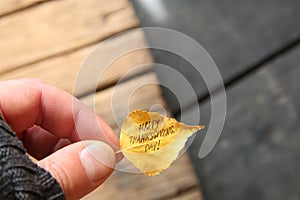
{"x":20,"y":178}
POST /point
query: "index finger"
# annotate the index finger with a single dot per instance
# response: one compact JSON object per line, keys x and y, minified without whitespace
{"x":28,"y":102}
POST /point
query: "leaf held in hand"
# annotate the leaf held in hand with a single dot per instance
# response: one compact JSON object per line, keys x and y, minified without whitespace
{"x":151,"y":141}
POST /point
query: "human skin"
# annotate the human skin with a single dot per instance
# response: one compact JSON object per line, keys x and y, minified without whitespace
{"x":67,"y":138}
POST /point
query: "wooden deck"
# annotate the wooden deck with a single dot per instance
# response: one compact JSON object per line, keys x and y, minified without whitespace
{"x":256,"y":46}
{"x":50,"y":39}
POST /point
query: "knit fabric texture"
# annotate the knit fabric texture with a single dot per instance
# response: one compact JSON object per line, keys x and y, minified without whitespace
{"x":20,"y":178}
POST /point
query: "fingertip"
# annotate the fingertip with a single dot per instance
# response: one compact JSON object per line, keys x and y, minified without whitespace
{"x":98,"y":159}
{"x":80,"y":167}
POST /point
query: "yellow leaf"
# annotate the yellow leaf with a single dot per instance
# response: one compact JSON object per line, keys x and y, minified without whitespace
{"x":151,"y":141}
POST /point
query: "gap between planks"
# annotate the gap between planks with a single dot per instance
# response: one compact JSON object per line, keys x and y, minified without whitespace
{"x":179,"y":180}
{"x":62,"y":71}
{"x":285,"y":49}
{"x":122,"y":185}
{"x":50,"y":36}
{"x":142,"y":98}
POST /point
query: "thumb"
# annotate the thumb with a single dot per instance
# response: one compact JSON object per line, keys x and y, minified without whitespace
{"x":80,"y":167}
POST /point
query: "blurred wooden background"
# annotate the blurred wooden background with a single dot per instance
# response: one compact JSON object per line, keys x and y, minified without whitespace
{"x":256,"y":46}
{"x":50,"y":40}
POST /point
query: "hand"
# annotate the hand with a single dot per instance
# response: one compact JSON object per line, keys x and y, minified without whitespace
{"x":51,"y":124}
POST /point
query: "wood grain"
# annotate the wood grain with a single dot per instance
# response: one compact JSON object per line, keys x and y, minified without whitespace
{"x":194,"y":194}
{"x":132,"y":186}
{"x":60,"y":26}
{"x":127,"y":186}
{"x":62,"y":71}
{"x":143,"y":98}
{"x":50,"y":42}
{"x":259,"y":146}
{"x":237,"y":39}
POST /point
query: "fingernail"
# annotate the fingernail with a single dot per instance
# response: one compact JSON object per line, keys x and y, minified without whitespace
{"x":98,"y":159}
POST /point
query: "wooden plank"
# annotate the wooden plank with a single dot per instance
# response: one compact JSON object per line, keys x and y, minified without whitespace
{"x":57,"y":60}
{"x":143,"y":98}
{"x":62,"y":71}
{"x":240,"y":34}
{"x":194,"y":194}
{"x":257,"y":156}
{"x":59,"y":27}
{"x":134,"y":186}
{"x":8,"y":6}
